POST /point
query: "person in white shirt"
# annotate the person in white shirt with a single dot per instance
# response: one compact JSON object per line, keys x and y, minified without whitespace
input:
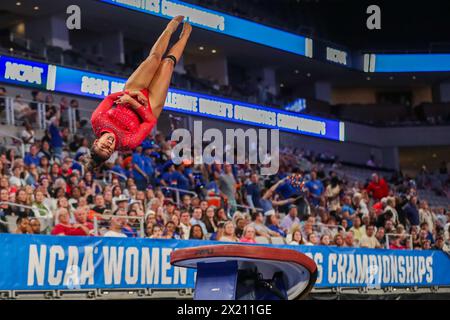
{"x":115,"y":228}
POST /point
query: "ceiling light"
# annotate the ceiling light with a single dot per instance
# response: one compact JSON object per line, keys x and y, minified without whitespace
{"x":201,"y":48}
{"x":36,"y":8}
{"x":414,"y":77}
{"x":391,"y":78}
{"x":296,"y":71}
{"x":282,"y":85}
{"x":368,"y":78}
{"x":213,"y":51}
{"x":18,"y":3}
{"x":308,"y":74}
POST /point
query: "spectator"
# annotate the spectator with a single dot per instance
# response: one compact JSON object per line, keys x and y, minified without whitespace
{"x":349,"y":240}
{"x":395,"y":243}
{"x":80,"y":215}
{"x":249,"y":234}
{"x":426,"y":215}
{"x":260,"y":228}
{"x":22,"y":111}
{"x":253,"y":191}
{"x":358,"y":230}
{"x":197,"y":220}
{"x":325,"y":240}
{"x":228,"y":233}
{"x":210,"y":221}
{"x":273,"y":223}
{"x":35,"y":226}
{"x":297,"y":238}
{"x":315,"y":189}
{"x":23,"y":225}
{"x":196,"y":232}
{"x":27,"y":136}
{"x":32,"y":156}
{"x":291,"y":218}
{"x":378,"y":188}
{"x":170,"y":231}
{"x":115,"y":228}
{"x":368,"y":240}
{"x":65,"y":228}
{"x":312,"y":239}
{"x":412,"y":212}
{"x":227,"y":186}
{"x":338,"y":241}
{"x":56,"y":139}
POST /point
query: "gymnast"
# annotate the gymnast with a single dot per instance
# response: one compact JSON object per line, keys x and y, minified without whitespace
{"x":137,"y":108}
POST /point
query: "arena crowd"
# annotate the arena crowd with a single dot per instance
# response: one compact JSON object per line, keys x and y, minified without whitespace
{"x":144,"y":194}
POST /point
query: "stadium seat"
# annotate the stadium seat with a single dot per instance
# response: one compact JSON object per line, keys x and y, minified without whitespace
{"x":262,"y":240}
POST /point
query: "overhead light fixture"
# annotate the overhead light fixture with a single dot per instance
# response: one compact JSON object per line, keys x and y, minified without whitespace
{"x":11,"y":49}
{"x":391,"y":78}
{"x":368,"y":78}
{"x":414,"y":77}
{"x":36,"y":8}
{"x":18,"y":3}
{"x":296,"y":71}
{"x":213,"y":50}
{"x":308,"y":74}
{"x":201,"y":48}
{"x":281,"y":85}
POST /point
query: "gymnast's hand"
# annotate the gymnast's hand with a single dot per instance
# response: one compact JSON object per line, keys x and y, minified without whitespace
{"x":133,"y":98}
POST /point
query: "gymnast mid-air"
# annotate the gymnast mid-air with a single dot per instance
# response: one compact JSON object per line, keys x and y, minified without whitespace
{"x":124,"y":119}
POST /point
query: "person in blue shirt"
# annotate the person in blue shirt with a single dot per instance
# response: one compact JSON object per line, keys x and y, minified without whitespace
{"x":32,"y":157}
{"x":140,"y":177}
{"x":254,"y":192}
{"x":149,"y":166}
{"x":315,"y":188}
{"x":56,"y":140}
{"x":348,"y":213}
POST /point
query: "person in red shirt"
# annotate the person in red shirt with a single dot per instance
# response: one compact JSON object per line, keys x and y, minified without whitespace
{"x":81,"y":215}
{"x":65,"y":228}
{"x":378,"y":188}
{"x":138,"y":107}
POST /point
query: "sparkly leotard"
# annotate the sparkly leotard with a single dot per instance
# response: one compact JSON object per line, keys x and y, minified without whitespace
{"x":129,"y":126}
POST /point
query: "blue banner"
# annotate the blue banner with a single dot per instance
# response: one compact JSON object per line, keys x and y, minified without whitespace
{"x":51,"y":263}
{"x":410,"y":62}
{"x":26,"y":72}
{"x":222,"y":23}
{"x":96,"y":85}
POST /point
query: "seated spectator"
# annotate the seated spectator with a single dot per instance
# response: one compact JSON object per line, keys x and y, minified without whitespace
{"x":196,"y":232}
{"x":273,"y":223}
{"x":170,"y":232}
{"x":228,"y":234}
{"x":210,"y":221}
{"x":312,"y":239}
{"x":65,"y":228}
{"x":240,"y":226}
{"x":115,"y":228}
{"x":22,"y":110}
{"x":440,"y":244}
{"x":157,"y":232}
{"x":395,"y":243}
{"x":358,"y":230}
{"x":35,"y":226}
{"x":249,"y":235}
{"x":325,"y":240}
{"x":23,"y":226}
{"x":338,"y":241}
{"x":297,"y":238}
{"x":368,"y":240}
{"x":80,"y":215}
{"x":291,"y":218}
{"x":185,"y":224}
{"x":261,"y":229}
{"x":197,"y":220}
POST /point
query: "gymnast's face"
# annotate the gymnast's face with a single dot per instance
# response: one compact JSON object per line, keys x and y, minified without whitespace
{"x":105,"y":145}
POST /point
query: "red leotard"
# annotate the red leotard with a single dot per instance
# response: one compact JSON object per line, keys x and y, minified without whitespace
{"x":129,"y":126}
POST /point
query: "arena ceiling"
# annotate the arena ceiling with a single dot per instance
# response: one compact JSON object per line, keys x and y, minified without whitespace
{"x":340,"y":18}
